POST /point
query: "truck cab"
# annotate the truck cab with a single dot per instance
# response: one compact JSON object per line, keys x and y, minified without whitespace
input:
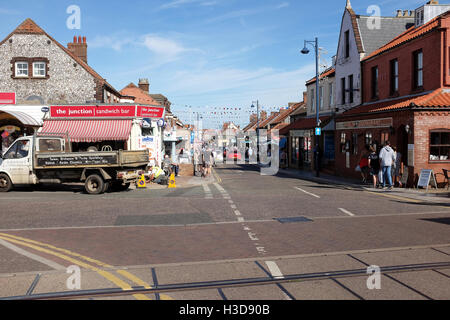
{"x":17,"y":162}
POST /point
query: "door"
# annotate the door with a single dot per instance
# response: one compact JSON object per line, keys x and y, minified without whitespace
{"x":17,"y":161}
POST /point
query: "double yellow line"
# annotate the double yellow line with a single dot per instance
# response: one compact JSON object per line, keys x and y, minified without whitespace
{"x":88,"y":263}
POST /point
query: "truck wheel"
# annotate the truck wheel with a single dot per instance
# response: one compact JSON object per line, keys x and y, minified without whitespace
{"x":5,"y":183}
{"x":94,"y":184}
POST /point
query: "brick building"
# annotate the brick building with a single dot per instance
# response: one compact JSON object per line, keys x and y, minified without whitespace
{"x":405,"y":99}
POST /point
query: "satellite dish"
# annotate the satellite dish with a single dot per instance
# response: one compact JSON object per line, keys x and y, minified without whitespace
{"x":145,"y":124}
{"x":45,"y":109}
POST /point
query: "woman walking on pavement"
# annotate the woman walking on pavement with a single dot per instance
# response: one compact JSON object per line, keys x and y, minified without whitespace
{"x":374,"y":165}
{"x":364,"y":163}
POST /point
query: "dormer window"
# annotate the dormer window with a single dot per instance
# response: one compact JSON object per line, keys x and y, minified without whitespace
{"x":21,"y":68}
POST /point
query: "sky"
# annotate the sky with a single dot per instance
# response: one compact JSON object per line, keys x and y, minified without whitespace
{"x":207,"y":56}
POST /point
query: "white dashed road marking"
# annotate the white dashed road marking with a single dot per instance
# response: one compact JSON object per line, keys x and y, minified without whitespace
{"x":274,"y":270}
{"x":309,"y":193}
{"x":347,"y":212}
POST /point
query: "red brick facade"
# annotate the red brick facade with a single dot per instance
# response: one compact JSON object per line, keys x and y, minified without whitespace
{"x":407,"y":126}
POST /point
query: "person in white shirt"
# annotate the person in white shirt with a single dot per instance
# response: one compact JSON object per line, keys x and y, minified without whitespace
{"x":387,"y":159}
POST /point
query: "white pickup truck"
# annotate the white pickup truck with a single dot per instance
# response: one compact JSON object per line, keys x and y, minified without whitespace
{"x":48,"y":159}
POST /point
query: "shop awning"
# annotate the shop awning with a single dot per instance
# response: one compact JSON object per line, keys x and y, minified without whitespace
{"x":23,"y":117}
{"x":90,"y":130}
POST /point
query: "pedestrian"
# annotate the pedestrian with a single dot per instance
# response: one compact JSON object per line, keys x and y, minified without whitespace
{"x":364,"y":163}
{"x":374,"y":165}
{"x":398,"y":168}
{"x":387,"y":158}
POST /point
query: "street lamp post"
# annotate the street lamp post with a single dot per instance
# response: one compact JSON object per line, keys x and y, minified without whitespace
{"x":257,"y":126}
{"x":305,"y":50}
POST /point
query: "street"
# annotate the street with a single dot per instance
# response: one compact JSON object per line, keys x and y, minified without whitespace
{"x":236,"y":225}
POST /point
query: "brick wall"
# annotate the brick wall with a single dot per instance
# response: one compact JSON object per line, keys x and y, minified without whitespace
{"x":432,"y":70}
{"x":424,"y":122}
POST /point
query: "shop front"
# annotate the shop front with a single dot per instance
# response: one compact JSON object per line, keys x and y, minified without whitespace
{"x":103,"y":127}
{"x":18,"y":121}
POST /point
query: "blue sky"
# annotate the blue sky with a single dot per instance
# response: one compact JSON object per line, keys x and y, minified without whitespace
{"x":208,"y":54}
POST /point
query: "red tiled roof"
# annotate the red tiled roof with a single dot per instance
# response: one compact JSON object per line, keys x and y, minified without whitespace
{"x":439,"y":98}
{"x":140,"y":95}
{"x":280,"y":126}
{"x":323,"y":75}
{"x":286,"y":112}
{"x":268,"y":120}
{"x":304,"y":124}
{"x":408,"y":35}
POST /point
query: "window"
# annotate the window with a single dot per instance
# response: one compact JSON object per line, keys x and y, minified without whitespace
{"x":418,"y":69}
{"x":31,"y":68}
{"x":39,"y":69}
{"x":343,"y":90}
{"x":18,"y":151}
{"x":347,"y":44}
{"x":312,"y":100}
{"x":384,"y":137}
{"x":50,"y":145}
{"x":331,"y":94}
{"x":369,"y":139}
{"x":21,"y":68}
{"x":375,"y":83}
{"x":394,"y":77}
{"x":343,"y":141}
{"x":350,"y":83}
{"x":355,"y":143}
{"x":440,"y":145}
{"x":321,"y":98}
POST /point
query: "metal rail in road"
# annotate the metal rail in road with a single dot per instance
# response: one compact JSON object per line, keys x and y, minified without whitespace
{"x":98,"y":293}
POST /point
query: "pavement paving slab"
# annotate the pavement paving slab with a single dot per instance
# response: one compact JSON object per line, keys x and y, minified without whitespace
{"x":202,"y":295}
{"x":430,"y":283}
{"x":15,"y":285}
{"x":318,"y":264}
{"x":402,"y":257}
{"x":318,"y":290}
{"x":208,"y":272}
{"x":390,"y":290}
{"x":57,"y":282}
{"x":263,"y":292}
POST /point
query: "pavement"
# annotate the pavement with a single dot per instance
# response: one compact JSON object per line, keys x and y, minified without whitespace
{"x":432,"y":195}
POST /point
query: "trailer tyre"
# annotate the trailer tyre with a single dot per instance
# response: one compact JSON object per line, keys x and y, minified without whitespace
{"x":5,"y":183}
{"x":94,"y":184}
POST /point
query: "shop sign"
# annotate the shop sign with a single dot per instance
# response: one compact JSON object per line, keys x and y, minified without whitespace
{"x":365,"y":124}
{"x":7,"y":98}
{"x":301,"y":133}
{"x":150,"y":112}
{"x":106,"y":112}
{"x":92,"y":111}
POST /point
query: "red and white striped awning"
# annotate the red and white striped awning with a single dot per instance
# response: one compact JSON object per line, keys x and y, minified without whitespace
{"x":90,"y":130}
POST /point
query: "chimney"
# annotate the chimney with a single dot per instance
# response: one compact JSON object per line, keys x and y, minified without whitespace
{"x":263,"y":115}
{"x":305,"y":97}
{"x":79,"y":47}
{"x":144,"y":85}
{"x":406,"y":13}
{"x":399,"y":14}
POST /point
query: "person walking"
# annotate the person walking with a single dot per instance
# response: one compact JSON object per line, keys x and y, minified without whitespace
{"x":387,"y":158}
{"x":398,"y":168}
{"x":374,"y":165}
{"x":364,"y":164}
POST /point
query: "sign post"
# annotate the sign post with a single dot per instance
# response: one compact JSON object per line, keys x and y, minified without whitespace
{"x":427,"y":176}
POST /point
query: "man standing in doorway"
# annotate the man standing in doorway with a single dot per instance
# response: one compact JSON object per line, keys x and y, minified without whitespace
{"x":387,"y":159}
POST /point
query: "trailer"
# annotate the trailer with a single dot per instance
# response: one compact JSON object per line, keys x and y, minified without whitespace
{"x":43,"y":159}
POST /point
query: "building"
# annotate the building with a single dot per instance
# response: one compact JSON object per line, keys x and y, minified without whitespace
{"x":39,"y":70}
{"x":359,"y":36}
{"x":405,"y":100}
{"x":301,"y":132}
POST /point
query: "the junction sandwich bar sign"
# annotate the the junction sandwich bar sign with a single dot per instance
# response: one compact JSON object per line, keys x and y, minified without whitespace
{"x":106,"y":112}
{"x":75,"y":160}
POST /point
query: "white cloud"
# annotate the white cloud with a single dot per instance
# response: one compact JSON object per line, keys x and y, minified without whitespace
{"x":178,"y":3}
{"x":283,"y":5}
